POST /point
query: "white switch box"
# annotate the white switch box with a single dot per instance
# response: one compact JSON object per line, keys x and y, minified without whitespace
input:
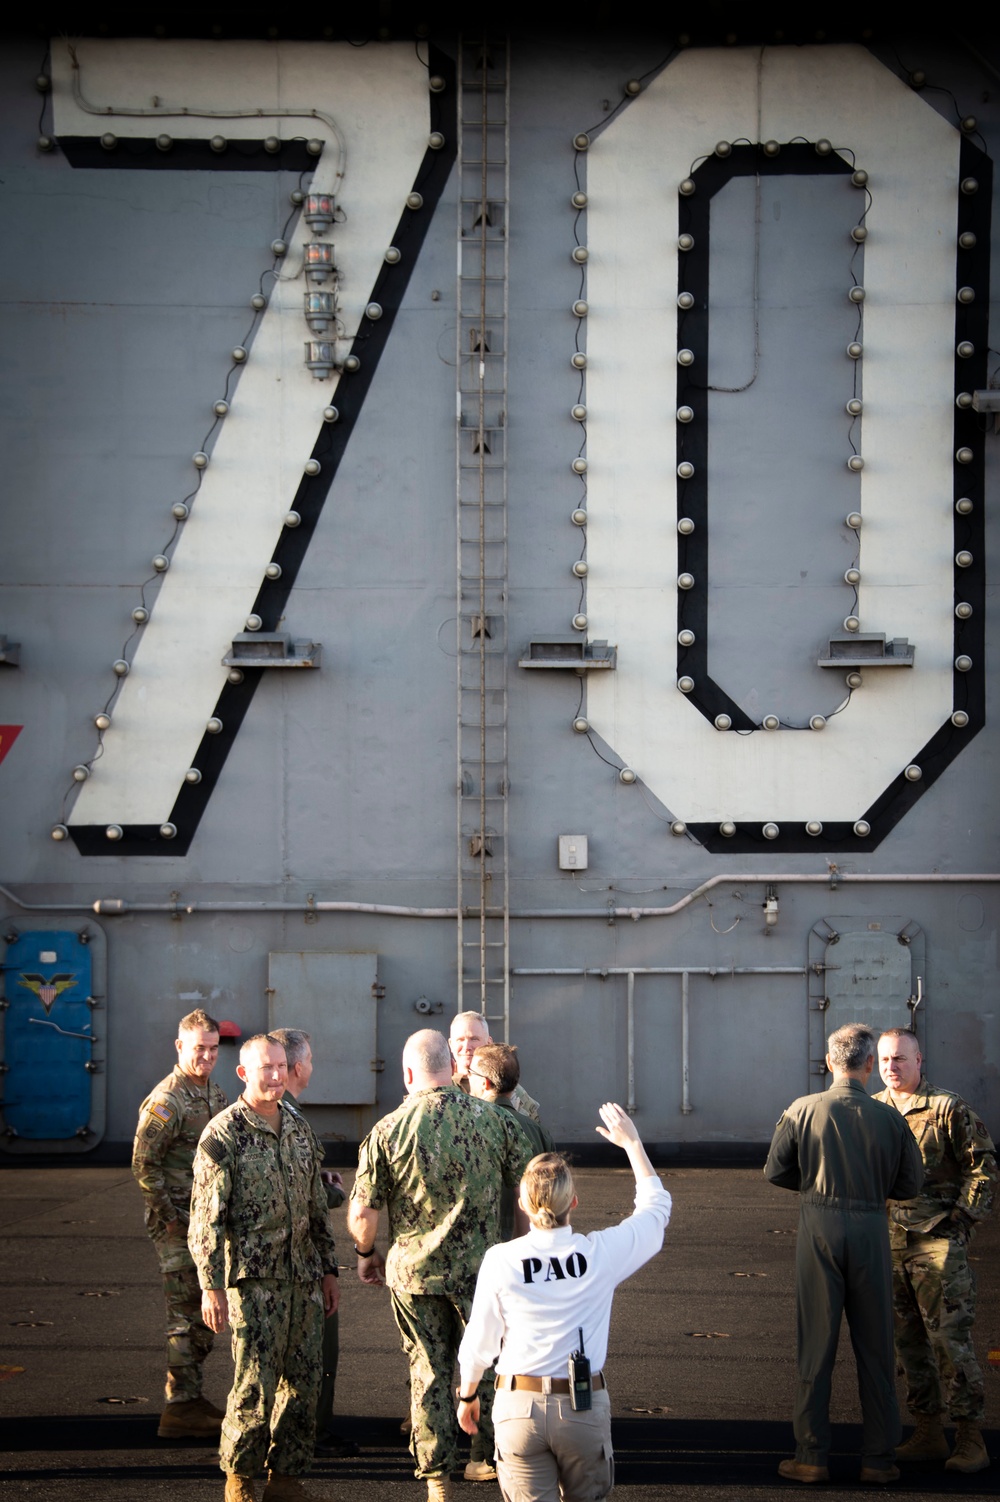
{"x":572,"y":852}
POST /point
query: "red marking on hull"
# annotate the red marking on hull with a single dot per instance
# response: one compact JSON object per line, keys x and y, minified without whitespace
{"x":8,"y":735}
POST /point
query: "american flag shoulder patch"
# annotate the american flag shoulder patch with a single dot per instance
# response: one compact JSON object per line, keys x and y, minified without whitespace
{"x":161,"y":1112}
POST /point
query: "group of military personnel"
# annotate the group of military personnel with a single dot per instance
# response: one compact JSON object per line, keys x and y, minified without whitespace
{"x":237,"y":1202}
{"x":237,"y":1206}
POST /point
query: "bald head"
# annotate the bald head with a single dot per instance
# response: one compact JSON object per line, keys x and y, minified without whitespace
{"x":426,"y":1061}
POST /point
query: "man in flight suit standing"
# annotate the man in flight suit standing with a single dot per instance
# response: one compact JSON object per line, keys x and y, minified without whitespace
{"x":171,"y":1119}
{"x":845,"y":1154}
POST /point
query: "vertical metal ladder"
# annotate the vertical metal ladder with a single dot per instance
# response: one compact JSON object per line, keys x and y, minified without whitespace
{"x":481,"y":484}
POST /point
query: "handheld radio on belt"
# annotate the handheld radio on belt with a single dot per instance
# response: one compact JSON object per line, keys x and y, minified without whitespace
{"x":581,"y":1389}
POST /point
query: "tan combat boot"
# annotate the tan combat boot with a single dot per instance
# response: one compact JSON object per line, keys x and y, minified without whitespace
{"x":189,"y":1420}
{"x":206,"y":1407}
{"x":800,"y":1470}
{"x":927,"y":1442}
{"x":239,"y":1488}
{"x":438,"y":1489}
{"x":970,"y":1453}
{"x":878,"y":1475}
{"x":281,"y":1488}
{"x":480,"y":1470}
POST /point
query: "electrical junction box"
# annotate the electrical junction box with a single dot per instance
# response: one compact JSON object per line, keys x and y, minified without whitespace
{"x":572,"y":852}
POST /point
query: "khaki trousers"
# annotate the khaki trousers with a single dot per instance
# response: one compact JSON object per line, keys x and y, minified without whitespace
{"x":546,"y":1452}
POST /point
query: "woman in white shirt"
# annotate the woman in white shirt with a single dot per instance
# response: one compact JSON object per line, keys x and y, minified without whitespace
{"x":536,"y":1298}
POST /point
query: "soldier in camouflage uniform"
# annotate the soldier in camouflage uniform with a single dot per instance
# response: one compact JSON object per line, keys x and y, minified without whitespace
{"x":259,"y":1233}
{"x":469,"y":1031}
{"x":437,"y":1163}
{"x":934,"y":1292}
{"x":171,"y":1119}
{"x":329,"y":1441}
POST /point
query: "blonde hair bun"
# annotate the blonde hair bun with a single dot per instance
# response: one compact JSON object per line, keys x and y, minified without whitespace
{"x":547,"y":1191}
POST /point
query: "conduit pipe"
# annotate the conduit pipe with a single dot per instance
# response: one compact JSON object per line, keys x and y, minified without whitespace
{"x":685,"y":972}
{"x":113,"y":906}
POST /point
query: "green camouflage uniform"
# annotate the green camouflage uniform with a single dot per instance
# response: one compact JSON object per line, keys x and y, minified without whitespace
{"x":171,"y":1119}
{"x":259,"y":1228}
{"x":438,"y":1163}
{"x":331,"y":1325}
{"x":934,"y":1291}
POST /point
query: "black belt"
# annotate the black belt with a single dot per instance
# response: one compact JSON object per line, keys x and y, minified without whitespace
{"x":545,"y":1385}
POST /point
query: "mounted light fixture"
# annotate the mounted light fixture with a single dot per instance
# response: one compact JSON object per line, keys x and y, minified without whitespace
{"x":321,"y":357}
{"x":320,"y":310}
{"x":317,"y":261}
{"x":319,"y":211}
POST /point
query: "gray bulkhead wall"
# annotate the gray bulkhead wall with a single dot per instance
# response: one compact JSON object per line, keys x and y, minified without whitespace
{"x":124,"y":293}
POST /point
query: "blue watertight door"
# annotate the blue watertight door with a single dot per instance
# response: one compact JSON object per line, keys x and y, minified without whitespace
{"x":47,"y":1036}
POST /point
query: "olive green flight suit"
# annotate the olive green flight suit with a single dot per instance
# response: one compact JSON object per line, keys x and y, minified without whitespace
{"x":846,"y":1155}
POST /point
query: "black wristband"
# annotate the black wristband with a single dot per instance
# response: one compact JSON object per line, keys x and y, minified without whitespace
{"x":364,"y":1254}
{"x":473,"y":1399}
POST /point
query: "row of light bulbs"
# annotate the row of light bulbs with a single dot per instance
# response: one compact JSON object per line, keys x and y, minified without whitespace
{"x":318,"y":211}
{"x":855,"y":463}
{"x":578,"y":412}
{"x":180,"y":511}
{"x":854,"y":407}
